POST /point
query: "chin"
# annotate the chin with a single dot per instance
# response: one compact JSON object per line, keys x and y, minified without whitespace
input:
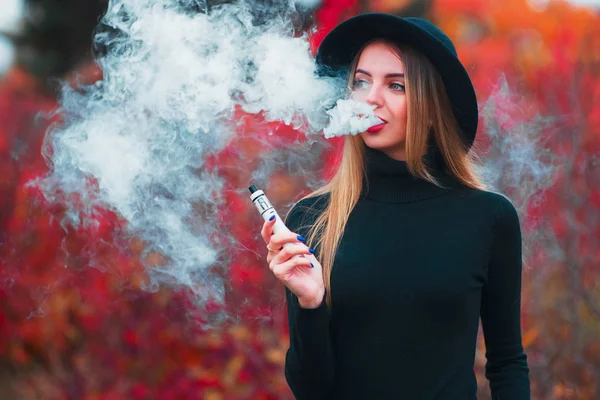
{"x":379,"y":143}
{"x":385,"y":146}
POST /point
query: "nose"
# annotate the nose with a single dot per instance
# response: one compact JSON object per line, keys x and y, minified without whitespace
{"x":374,"y":96}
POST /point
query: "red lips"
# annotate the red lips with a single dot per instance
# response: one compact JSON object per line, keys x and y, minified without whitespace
{"x":377,"y":128}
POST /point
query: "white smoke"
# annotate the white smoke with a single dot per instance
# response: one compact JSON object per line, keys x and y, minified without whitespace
{"x":136,"y":142}
{"x":309,"y":4}
{"x":10,"y":22}
{"x":519,"y":162}
{"x":350,"y":117}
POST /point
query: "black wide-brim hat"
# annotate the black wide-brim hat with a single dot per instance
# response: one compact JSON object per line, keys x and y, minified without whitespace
{"x":340,"y":46}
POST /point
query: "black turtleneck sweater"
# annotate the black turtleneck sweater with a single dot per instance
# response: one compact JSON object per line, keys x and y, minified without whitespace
{"x":417,"y":267}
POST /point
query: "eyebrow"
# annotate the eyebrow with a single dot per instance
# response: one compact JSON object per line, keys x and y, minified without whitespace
{"x":393,"y":75}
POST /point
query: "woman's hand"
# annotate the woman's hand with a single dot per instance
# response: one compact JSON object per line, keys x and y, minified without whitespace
{"x":290,"y":261}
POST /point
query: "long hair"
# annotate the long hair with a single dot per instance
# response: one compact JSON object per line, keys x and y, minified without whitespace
{"x":429,"y":112}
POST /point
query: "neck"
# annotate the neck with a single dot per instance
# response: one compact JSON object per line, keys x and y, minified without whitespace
{"x":398,"y":155}
{"x":389,"y":180}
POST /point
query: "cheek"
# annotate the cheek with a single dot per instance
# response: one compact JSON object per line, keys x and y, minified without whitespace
{"x":397,"y":106}
{"x":360,"y":95}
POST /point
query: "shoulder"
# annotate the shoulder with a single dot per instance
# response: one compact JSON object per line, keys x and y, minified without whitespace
{"x":497,"y":206}
{"x":496,"y":202}
{"x":494,"y":207}
{"x":501,"y":206}
{"x":506,"y":217}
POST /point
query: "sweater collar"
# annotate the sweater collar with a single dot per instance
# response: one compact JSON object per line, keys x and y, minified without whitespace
{"x":388,"y":180}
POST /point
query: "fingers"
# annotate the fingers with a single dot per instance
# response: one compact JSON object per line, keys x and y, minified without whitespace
{"x":282,"y":271}
{"x":289,"y":251}
{"x":267,"y":230}
{"x":278,"y":240}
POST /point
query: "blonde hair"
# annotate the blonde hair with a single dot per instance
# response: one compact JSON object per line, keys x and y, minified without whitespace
{"x":428,"y":111}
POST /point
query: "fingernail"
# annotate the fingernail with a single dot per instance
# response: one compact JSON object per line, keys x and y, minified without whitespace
{"x":272,"y":218}
{"x":300,"y":238}
{"x":311,"y":265}
{"x":312,"y":251}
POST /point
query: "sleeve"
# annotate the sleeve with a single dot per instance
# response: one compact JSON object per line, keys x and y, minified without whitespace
{"x":506,"y":367}
{"x":309,"y":362}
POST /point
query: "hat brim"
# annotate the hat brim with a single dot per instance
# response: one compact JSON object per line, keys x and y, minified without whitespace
{"x":340,"y":46}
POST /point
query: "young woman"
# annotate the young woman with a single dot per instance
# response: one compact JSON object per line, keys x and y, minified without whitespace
{"x":414,"y":250}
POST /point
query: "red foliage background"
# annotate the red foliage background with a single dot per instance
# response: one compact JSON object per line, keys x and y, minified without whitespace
{"x":71,"y":331}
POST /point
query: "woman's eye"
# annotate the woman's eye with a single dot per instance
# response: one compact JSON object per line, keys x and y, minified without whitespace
{"x":397,"y":86}
{"x":359,"y":84}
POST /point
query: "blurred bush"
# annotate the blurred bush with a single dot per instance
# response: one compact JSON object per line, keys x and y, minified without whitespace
{"x":71,"y":331}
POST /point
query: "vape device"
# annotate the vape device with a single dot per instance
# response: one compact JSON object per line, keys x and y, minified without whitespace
{"x":266,"y":209}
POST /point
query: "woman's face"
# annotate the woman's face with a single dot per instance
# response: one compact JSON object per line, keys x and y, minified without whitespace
{"x":379,"y":80}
